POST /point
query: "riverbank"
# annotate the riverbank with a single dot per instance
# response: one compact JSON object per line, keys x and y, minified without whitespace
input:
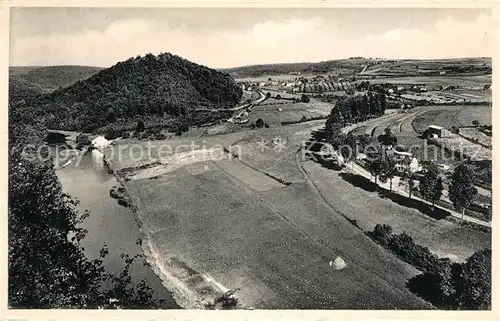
{"x":109,"y":223}
{"x":190,"y":289}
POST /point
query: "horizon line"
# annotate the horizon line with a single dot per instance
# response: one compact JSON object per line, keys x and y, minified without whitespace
{"x":268,"y":64}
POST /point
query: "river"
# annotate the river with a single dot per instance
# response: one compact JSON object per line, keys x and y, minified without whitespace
{"x":110,"y":223}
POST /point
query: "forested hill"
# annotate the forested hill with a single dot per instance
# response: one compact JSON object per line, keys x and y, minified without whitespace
{"x":22,"y":91}
{"x":51,"y":78}
{"x":165,"y":86}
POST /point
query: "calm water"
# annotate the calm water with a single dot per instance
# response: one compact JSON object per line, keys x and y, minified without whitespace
{"x":109,"y":223}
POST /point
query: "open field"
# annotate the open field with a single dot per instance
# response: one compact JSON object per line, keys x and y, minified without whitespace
{"x":433,"y":82}
{"x":272,"y":115}
{"x":474,"y":134}
{"x":204,"y":215}
{"x":456,"y":143}
{"x":377,"y":126}
{"x":264,"y":78}
{"x":200,"y":216}
{"x":453,"y":97}
{"x":483,"y":114}
{"x":458,"y":116}
{"x":208,"y":221}
{"x":249,"y":96}
{"x":444,"y":238}
{"x":448,"y":116}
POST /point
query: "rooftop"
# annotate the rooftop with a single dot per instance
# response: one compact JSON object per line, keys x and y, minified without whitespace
{"x":435,"y":127}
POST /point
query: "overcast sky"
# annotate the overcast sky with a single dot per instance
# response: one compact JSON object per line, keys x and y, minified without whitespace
{"x":234,"y":37}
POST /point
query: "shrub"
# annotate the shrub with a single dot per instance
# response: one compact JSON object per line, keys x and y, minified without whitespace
{"x":259,"y":123}
{"x":403,"y":246}
{"x":159,"y":136}
{"x":305,"y":99}
{"x":382,"y":234}
{"x":113,"y":133}
{"x":82,"y":140}
{"x":140,"y":126}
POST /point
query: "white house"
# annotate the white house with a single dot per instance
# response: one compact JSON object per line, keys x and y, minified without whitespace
{"x":100,"y":143}
{"x":405,"y":161}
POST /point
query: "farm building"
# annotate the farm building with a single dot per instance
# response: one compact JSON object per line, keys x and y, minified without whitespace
{"x":438,"y":131}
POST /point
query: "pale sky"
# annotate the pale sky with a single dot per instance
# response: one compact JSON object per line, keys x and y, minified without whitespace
{"x":222,"y":38}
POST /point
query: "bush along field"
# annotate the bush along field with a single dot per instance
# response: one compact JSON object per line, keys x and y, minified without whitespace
{"x":445,"y":284}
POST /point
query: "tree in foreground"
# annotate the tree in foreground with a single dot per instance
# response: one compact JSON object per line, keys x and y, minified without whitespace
{"x":473,"y":286}
{"x":464,"y":286}
{"x":304,"y":98}
{"x":46,"y":262}
{"x":462,"y":190}
{"x":431,"y":185}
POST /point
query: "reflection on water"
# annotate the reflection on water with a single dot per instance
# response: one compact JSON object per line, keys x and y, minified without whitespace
{"x":87,"y":179}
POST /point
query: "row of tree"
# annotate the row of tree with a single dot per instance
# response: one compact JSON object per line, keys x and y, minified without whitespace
{"x":444,"y":283}
{"x":461,"y":191}
{"x":354,"y":109}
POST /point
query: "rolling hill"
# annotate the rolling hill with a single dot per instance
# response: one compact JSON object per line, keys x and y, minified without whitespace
{"x":359,"y":66}
{"x":164,"y":86}
{"x":51,"y":78}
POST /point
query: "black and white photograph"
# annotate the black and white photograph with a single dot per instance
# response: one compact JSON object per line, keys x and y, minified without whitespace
{"x":249,"y":158}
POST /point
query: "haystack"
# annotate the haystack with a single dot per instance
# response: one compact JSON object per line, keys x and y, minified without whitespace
{"x":338,"y":263}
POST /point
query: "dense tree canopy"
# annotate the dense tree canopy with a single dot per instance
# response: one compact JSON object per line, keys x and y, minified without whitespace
{"x":150,"y":85}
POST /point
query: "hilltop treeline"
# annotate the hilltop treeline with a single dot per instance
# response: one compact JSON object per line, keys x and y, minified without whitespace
{"x":355,"y":65}
{"x":344,"y":65}
{"x":51,"y":78}
{"x":165,"y":86}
